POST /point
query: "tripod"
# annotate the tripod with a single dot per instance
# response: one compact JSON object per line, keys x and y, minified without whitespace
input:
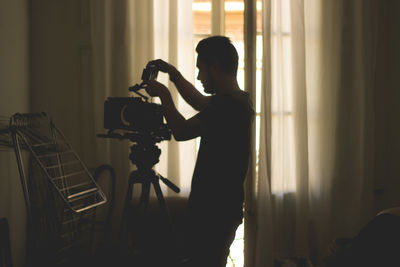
{"x":144,"y":154}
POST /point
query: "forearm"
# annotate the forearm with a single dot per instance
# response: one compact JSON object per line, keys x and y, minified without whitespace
{"x":189,"y":93}
{"x":175,"y":120}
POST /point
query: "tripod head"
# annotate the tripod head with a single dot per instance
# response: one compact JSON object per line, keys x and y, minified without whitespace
{"x":144,"y":153}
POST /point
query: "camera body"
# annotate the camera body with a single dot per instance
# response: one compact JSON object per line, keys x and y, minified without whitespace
{"x":135,"y":115}
{"x":142,"y":119}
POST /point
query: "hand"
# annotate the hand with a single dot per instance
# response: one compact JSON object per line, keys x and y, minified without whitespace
{"x":164,"y":66}
{"x":154,"y":88}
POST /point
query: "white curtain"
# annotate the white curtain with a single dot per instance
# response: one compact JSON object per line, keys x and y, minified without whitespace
{"x":173,"y":42}
{"x":314,"y":181}
{"x":126,"y":34}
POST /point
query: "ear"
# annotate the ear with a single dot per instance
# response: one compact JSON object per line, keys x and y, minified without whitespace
{"x":216,"y":67}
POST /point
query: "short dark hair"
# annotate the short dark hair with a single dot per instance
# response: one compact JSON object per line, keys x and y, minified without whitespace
{"x":218,"y":49}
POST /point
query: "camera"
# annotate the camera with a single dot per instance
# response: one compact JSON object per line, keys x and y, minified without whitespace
{"x":136,"y":114}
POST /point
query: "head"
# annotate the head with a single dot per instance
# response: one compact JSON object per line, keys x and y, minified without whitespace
{"x":216,"y":57}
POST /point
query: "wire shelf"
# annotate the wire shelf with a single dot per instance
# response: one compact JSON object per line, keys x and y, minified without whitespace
{"x":36,"y":133}
{"x":61,"y":195}
{"x":5,"y":136}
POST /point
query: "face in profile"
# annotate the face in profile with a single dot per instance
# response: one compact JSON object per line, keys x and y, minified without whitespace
{"x":205,"y":77}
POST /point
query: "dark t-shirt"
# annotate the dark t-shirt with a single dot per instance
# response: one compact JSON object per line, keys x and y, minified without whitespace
{"x":223,"y":157}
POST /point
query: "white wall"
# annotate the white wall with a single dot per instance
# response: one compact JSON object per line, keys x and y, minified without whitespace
{"x":14,"y":97}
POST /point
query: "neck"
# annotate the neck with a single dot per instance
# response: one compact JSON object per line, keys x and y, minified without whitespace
{"x":226,"y":84}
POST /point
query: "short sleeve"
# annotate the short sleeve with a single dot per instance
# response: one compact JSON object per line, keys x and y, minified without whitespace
{"x":208,"y":115}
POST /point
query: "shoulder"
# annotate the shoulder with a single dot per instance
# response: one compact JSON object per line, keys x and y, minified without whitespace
{"x":240,"y":102}
{"x":203,"y":102}
{"x":233,"y":103}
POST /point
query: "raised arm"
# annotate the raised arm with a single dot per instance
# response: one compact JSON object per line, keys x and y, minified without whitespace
{"x":181,"y":128}
{"x":189,"y":93}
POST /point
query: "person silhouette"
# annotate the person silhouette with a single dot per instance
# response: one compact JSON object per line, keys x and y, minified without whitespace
{"x":224,"y":123}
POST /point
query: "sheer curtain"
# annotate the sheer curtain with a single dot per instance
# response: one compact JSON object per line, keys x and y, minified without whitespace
{"x":173,"y":40}
{"x":126,"y":35}
{"x":314,"y":181}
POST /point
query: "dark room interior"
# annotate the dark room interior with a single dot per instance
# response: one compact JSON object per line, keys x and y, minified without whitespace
{"x":329,"y":119}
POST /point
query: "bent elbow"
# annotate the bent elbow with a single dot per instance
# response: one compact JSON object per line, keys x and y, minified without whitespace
{"x":182,"y":135}
{"x":186,"y":131}
{"x":178,"y":137}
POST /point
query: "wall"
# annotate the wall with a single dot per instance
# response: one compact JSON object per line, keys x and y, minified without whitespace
{"x":61,"y":67}
{"x":387,"y":108}
{"x":14,"y":97}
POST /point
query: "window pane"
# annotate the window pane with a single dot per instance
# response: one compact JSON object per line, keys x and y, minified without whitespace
{"x":259,"y":55}
{"x":234,"y":24}
{"x":202,"y":16}
{"x":234,"y":18}
{"x":259,"y":16}
{"x":240,"y":78}
{"x":197,"y":83}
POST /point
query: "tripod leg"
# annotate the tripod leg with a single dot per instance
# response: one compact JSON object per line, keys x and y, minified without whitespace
{"x":160,"y":198}
{"x":126,"y":209}
{"x":127,"y":215}
{"x":144,"y":197}
{"x":163,"y":206}
{"x":137,"y":221}
{"x":172,"y":250}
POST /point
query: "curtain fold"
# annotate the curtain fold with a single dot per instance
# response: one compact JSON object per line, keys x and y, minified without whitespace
{"x":121,"y":35}
{"x":125,"y":35}
{"x":173,"y":42}
{"x":316,"y":149}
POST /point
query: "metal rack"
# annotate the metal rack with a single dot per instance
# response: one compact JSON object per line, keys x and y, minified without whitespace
{"x":60,"y":164}
{"x":61,"y":196}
